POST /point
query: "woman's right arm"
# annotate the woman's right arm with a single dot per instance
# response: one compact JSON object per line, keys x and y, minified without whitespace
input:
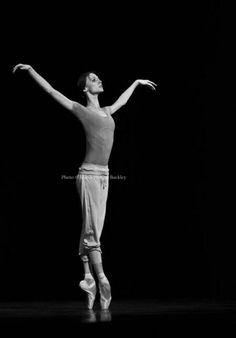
{"x":60,"y":98}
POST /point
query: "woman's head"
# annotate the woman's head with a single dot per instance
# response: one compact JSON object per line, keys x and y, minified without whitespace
{"x":89,"y":82}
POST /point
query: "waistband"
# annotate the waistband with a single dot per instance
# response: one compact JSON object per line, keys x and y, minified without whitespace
{"x":94,"y":169}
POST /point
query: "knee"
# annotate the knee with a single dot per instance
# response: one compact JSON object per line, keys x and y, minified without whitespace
{"x":84,"y":258}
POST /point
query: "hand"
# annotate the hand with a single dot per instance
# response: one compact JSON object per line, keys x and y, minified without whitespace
{"x":21,"y":66}
{"x":148,"y":83}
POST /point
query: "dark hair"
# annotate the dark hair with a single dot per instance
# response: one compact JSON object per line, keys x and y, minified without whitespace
{"x":81,"y":83}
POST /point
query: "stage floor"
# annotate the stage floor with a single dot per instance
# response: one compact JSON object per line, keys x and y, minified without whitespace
{"x":149,"y":316}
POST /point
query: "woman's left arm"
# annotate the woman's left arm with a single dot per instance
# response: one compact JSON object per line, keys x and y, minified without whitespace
{"x":122,"y":100}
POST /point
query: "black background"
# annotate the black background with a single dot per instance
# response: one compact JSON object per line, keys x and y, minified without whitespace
{"x":169,"y":230}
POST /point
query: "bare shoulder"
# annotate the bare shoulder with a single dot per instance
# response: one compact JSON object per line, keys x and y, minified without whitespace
{"x":77,"y":106}
{"x":78,"y":109}
{"x":107,"y":110}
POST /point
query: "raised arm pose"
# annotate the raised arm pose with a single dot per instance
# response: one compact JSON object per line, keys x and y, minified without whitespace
{"x":93,"y":176}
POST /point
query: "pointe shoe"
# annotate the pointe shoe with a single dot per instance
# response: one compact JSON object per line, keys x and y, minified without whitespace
{"x":105,"y":295}
{"x":91,"y":291}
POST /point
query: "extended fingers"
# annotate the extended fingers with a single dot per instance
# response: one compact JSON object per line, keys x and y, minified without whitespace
{"x":20,"y":66}
{"x":151,"y":84}
{"x":16,"y":67}
{"x":153,"y":88}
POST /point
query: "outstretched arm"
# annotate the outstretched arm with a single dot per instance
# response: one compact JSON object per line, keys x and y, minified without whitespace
{"x":122,"y":100}
{"x":63,"y":100}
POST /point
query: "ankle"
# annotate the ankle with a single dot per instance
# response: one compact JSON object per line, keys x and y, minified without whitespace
{"x":102,"y":278}
{"x":88,"y":276}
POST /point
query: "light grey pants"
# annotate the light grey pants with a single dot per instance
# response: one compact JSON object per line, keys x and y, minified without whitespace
{"x":92,"y":184}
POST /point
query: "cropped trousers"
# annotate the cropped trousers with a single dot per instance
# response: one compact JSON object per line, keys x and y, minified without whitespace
{"x":92,"y":184}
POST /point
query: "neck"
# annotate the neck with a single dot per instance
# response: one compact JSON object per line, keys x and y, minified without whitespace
{"x":92,"y":101}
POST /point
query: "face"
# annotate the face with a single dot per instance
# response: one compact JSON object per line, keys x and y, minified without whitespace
{"x":93,"y":84}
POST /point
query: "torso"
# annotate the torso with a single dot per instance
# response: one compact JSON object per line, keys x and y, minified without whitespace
{"x":99,"y":128}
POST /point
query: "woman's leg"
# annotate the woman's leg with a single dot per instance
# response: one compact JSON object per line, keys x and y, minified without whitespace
{"x":93,"y":192}
{"x":88,"y":283}
{"x":96,"y":260}
{"x":87,"y":270}
{"x":104,"y":285}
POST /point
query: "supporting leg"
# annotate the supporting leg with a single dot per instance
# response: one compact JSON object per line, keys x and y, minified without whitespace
{"x":88,"y":283}
{"x":104,"y":285}
{"x":87,"y":270}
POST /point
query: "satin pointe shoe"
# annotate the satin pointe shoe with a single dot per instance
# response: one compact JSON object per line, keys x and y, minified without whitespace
{"x":105,"y":295}
{"x":91,"y":290}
